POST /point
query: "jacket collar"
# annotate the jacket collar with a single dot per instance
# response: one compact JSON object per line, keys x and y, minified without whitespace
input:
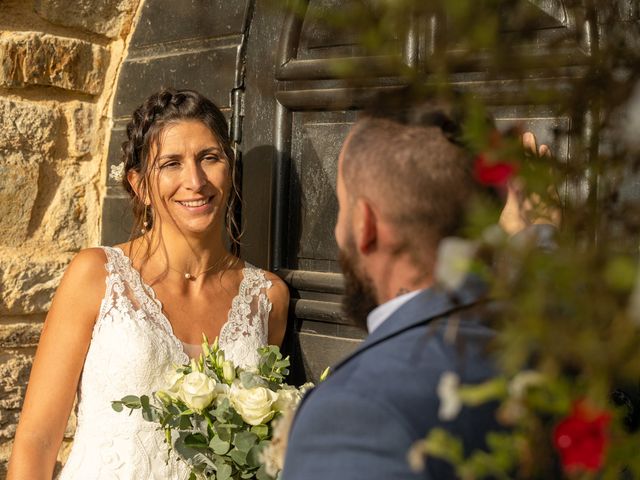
{"x":424,"y":307}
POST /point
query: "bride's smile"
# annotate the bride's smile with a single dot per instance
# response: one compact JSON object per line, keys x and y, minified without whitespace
{"x":190,"y":179}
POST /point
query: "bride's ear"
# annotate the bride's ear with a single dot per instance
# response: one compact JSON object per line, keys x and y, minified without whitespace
{"x":135,"y":180}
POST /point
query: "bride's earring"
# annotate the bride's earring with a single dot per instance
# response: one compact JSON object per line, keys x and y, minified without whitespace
{"x":145,"y":223}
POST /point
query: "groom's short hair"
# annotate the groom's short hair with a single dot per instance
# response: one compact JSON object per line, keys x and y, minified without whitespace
{"x":407,"y":154}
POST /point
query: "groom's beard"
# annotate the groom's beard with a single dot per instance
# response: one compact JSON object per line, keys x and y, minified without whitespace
{"x":359,"y":295}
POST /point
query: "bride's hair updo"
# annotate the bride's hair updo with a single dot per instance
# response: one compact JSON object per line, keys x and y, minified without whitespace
{"x":159,"y":110}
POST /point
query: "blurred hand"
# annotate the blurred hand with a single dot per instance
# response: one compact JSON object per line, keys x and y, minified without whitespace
{"x":523,"y":209}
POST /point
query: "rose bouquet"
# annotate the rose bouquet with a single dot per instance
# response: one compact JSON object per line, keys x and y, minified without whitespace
{"x":224,"y":421}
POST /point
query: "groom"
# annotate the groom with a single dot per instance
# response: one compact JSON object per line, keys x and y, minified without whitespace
{"x":404,"y":183}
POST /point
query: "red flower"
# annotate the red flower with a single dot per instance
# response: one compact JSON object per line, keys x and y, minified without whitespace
{"x":581,"y":438}
{"x":495,"y":174}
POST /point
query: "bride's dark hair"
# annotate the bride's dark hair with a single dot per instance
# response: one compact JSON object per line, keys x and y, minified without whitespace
{"x":143,"y":132}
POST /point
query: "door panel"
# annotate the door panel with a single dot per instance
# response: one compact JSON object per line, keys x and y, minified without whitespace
{"x":273,"y":75}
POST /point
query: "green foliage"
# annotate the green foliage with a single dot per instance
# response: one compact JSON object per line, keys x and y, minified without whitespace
{"x":572,"y":315}
{"x":216,"y":440}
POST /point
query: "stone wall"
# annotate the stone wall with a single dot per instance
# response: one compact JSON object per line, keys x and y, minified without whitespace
{"x":58,"y":63}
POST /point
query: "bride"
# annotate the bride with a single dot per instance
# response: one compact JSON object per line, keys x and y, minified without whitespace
{"x":123,"y":315}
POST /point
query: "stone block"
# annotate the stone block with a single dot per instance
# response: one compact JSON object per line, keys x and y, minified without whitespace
{"x":81,"y":119}
{"x":105,"y":17}
{"x":33,"y":58}
{"x":27,"y":284}
{"x":18,"y":191}
{"x":5,"y":447}
{"x":63,"y":224}
{"x":28,"y":127}
{"x":14,"y":374}
{"x":20,"y":334}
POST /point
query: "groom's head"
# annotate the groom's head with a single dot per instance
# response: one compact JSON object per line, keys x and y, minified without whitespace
{"x":403,"y":184}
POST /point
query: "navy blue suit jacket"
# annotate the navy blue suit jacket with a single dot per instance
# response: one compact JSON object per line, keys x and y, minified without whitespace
{"x":361,"y":422}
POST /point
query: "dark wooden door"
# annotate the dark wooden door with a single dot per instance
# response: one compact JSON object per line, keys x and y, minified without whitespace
{"x":272,"y":72}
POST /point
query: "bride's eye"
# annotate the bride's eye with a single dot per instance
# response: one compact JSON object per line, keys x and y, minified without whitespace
{"x":170,"y":165}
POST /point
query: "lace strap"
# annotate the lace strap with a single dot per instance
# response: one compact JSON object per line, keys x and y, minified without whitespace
{"x":111,"y":280}
{"x":253,"y":291}
{"x":129,"y":281}
{"x":248,"y":322}
{"x":254,"y":278}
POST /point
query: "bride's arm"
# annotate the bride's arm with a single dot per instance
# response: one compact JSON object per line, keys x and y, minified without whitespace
{"x":279,"y":297}
{"x":56,"y":368}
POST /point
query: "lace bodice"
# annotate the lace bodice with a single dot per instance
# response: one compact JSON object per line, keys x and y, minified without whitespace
{"x":131,"y":347}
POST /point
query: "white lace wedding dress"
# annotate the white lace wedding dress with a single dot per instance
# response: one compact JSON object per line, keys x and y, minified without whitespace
{"x":131,"y":347}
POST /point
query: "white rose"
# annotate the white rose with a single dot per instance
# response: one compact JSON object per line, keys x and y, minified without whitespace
{"x":288,"y":398}
{"x":255,"y":405}
{"x":450,"y":401}
{"x":197,"y":390}
{"x":173,"y":380}
{"x":453,"y":263}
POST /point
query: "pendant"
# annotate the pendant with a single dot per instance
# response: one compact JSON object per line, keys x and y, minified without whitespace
{"x":187,"y":276}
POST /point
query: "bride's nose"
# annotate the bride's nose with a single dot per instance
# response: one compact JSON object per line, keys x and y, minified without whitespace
{"x":195,"y":176}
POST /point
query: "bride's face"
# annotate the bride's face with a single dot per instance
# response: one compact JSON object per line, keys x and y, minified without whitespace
{"x":189,"y":178}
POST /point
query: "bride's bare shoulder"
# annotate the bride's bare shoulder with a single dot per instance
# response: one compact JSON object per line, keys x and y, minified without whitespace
{"x":89,"y":260}
{"x":83,"y":284}
{"x":87,"y":269}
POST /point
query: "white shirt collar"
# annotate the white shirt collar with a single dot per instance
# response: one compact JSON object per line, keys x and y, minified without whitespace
{"x":378,"y":315}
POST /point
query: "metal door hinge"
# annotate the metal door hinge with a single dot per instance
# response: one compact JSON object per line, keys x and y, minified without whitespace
{"x":237,"y":114}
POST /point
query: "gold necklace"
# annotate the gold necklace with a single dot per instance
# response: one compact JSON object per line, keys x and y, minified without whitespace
{"x":193,"y":276}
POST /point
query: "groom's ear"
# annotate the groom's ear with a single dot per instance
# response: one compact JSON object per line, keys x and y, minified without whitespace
{"x":366,"y":226}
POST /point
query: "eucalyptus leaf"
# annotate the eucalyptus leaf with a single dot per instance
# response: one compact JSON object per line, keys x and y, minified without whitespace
{"x":223,"y":471}
{"x":183,"y":422}
{"x":173,"y":409}
{"x":219,"y":446}
{"x":196,"y":440}
{"x":182,"y":449}
{"x":253,"y":457}
{"x":130,"y":399}
{"x":238,"y":456}
{"x":260,"y":430}
{"x":244,"y":441}
{"x":224,"y":431}
{"x":202,"y":459}
{"x":251,"y":380}
{"x":149,"y":414}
